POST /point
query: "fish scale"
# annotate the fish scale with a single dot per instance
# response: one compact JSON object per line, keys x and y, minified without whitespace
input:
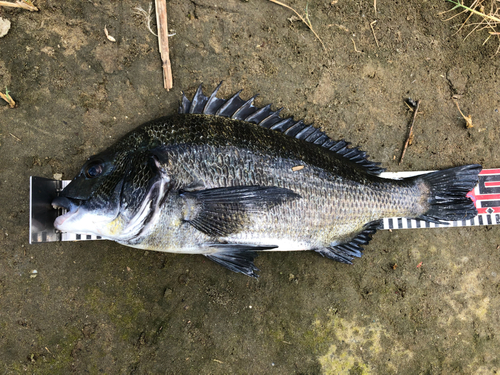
{"x":226,"y":179}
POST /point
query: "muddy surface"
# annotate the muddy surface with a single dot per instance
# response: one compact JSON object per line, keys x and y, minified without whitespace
{"x":98,"y":307}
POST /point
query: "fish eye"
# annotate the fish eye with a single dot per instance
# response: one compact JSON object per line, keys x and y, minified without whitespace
{"x":94,"y":169}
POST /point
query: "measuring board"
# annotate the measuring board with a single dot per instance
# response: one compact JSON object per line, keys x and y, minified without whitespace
{"x":486,"y":198}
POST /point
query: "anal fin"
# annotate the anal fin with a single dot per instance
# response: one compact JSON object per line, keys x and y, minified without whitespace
{"x":347,"y":251}
{"x":237,"y":257}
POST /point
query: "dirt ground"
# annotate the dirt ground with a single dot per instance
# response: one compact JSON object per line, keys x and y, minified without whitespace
{"x":98,"y":307}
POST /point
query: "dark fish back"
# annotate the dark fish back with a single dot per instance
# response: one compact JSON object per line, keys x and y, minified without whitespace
{"x":236,"y":108}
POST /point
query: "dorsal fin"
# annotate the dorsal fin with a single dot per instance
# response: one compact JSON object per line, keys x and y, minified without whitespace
{"x":244,"y":110}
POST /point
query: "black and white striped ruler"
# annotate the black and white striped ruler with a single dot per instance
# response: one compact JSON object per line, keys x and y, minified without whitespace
{"x":486,"y":198}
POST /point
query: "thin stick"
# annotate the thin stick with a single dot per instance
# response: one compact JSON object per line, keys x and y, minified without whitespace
{"x":308,"y":24}
{"x":468,"y":119}
{"x":161,"y":21}
{"x":410,"y":133}
{"x":8,"y":98}
{"x":355,"y":49}
{"x":16,"y":138}
{"x":373,"y":31}
{"x":20,"y":4}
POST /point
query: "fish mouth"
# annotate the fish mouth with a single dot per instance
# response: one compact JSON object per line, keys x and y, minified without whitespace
{"x":72,"y":206}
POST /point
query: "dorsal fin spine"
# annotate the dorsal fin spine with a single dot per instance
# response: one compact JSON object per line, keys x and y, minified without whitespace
{"x":271,"y":120}
{"x":225,"y":109}
{"x":212,"y":100}
{"x":245,"y":110}
{"x":254,"y":117}
{"x":198,"y":101}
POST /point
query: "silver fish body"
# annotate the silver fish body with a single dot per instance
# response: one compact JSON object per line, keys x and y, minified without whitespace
{"x":227,"y":180}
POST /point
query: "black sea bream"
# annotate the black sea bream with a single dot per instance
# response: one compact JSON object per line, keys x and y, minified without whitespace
{"x":227,"y":180}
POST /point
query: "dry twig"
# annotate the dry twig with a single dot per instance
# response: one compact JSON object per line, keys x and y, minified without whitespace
{"x":306,"y":21}
{"x":468,"y":119}
{"x":355,"y":49}
{"x":472,"y":9}
{"x":410,"y":133}
{"x":24,"y":4}
{"x":161,"y":21}
{"x":8,"y":98}
{"x":373,"y":31}
{"x":488,"y":19}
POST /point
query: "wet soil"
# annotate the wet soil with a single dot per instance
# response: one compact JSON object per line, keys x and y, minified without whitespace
{"x":418,"y":301}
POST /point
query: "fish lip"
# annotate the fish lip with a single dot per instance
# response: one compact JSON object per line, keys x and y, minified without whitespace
{"x":71,"y":205}
{"x":63,"y":202}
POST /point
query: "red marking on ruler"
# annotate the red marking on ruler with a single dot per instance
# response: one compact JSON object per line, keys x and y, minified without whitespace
{"x":485,"y":197}
{"x":492,"y":184}
{"x":484,"y":210}
{"x":490,"y":171}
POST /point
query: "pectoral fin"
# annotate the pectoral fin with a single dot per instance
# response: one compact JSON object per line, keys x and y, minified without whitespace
{"x":221,"y":211}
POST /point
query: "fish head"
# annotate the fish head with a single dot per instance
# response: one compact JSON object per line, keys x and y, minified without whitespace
{"x":115,"y":195}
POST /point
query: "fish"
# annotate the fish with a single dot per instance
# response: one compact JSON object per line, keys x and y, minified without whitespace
{"x":229,"y":180}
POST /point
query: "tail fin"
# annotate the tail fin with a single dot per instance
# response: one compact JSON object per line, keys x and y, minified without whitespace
{"x":448,"y":193}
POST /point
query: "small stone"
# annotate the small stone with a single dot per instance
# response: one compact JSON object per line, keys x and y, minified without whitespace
{"x":4,"y":27}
